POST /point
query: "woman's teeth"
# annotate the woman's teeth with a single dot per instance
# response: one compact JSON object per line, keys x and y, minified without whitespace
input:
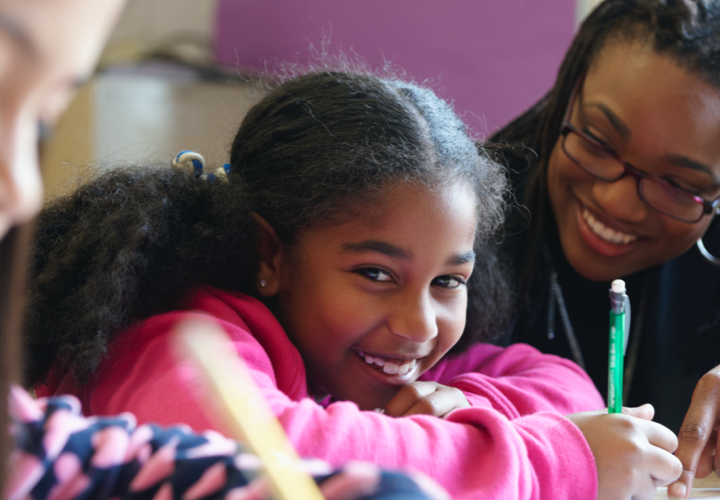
{"x":388,"y":366}
{"x":604,"y":232}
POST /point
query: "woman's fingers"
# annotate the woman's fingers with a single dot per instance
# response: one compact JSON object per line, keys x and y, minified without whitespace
{"x":705,"y":464}
{"x":696,"y":431}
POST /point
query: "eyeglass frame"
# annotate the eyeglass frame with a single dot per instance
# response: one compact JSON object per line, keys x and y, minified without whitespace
{"x":566,"y":128}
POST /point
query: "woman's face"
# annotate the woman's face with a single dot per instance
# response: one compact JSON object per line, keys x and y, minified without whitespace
{"x":664,"y":121}
{"x":373,"y":303}
{"x":47,"y":49}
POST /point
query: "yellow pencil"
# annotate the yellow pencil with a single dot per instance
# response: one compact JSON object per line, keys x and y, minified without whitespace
{"x":244,"y":409}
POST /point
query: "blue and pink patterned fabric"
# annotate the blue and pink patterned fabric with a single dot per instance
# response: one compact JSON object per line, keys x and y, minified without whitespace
{"x":61,"y":455}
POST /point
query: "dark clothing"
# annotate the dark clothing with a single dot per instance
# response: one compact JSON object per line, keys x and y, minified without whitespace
{"x":675,"y":332}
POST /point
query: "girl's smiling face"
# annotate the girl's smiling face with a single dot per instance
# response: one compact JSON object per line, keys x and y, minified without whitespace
{"x":373,"y":303}
{"x":663,"y":120}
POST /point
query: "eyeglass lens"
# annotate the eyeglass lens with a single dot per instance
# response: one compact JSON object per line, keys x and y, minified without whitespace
{"x":595,"y":159}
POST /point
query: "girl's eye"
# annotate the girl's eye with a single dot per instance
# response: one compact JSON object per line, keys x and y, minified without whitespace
{"x":374,"y":274}
{"x":448,"y":282}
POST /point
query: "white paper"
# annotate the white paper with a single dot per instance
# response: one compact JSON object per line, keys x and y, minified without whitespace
{"x":707,"y":493}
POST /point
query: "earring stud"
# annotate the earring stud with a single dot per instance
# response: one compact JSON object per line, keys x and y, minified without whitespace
{"x":263,"y":283}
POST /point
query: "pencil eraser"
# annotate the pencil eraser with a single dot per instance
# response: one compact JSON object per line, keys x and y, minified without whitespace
{"x":618,"y":286}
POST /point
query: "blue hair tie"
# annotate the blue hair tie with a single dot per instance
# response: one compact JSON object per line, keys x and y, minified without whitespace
{"x":190,"y":160}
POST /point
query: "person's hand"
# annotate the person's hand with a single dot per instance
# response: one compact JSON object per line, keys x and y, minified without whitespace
{"x":633,"y":455}
{"x":698,"y":439}
{"x":425,"y":398}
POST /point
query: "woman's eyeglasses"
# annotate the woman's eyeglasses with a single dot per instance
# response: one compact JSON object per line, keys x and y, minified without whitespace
{"x":597,"y":159}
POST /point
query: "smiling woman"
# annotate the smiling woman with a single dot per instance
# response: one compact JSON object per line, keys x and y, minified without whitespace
{"x":619,"y":166}
{"x":612,"y":224}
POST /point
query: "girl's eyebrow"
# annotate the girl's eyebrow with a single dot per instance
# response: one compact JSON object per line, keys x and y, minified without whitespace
{"x":462,"y":258}
{"x":396,"y":252}
{"x":377,"y":246}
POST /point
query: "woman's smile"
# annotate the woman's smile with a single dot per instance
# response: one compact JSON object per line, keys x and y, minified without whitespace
{"x":602,"y":234}
{"x":606,"y":230}
{"x":606,"y":233}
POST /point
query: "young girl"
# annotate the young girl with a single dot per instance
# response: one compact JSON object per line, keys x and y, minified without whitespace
{"x":624,"y":183}
{"x":51,"y":451}
{"x":338,"y":254}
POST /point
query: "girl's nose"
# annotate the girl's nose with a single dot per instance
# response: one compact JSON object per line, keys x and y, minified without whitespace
{"x":20,"y":182}
{"x":620,"y":199}
{"x":414,"y":318}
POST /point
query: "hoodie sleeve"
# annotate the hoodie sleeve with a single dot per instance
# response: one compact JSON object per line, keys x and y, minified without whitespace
{"x":518,"y":380}
{"x":502,"y":447}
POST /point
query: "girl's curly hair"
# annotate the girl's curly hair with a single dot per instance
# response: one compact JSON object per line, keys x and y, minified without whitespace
{"x":131,"y":242}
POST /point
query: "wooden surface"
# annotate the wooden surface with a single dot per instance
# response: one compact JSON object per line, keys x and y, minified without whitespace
{"x":712,"y":481}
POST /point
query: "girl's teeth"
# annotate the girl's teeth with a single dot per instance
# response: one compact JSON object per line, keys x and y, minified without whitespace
{"x":388,"y":366}
{"x":606,"y":233}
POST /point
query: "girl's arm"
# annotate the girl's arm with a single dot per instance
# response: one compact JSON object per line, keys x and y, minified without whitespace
{"x":474,"y":453}
{"x":518,"y":380}
{"x":61,"y":455}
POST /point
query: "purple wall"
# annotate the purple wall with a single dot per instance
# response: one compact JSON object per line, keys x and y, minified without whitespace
{"x":492,"y":58}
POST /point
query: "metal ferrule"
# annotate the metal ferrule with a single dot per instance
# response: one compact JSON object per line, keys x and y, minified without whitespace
{"x":617,"y":302}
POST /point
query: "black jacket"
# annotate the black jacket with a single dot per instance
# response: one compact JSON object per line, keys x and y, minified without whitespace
{"x":675,"y":331}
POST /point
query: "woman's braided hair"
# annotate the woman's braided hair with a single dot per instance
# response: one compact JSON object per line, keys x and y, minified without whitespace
{"x":688,"y":31}
{"x":130,"y":243}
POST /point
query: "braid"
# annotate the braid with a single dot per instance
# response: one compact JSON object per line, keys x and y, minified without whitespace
{"x":125,"y":246}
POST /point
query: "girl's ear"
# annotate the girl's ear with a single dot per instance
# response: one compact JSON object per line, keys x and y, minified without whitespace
{"x":272,"y":254}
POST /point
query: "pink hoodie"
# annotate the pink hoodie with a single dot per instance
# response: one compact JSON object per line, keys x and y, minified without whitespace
{"x":512,"y":443}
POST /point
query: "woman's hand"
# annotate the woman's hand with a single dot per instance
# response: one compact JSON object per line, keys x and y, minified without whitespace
{"x":633,"y":455}
{"x":425,"y":398}
{"x":698,"y":438}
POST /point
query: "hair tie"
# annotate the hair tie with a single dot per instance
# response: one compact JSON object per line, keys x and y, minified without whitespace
{"x":194,"y":162}
{"x":219,"y":174}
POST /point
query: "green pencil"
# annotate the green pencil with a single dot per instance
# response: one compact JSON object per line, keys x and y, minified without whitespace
{"x":617,"y":346}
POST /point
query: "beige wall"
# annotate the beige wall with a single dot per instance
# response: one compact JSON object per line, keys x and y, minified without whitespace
{"x":139,"y":118}
{"x":136,"y":118}
{"x":149,"y":21}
